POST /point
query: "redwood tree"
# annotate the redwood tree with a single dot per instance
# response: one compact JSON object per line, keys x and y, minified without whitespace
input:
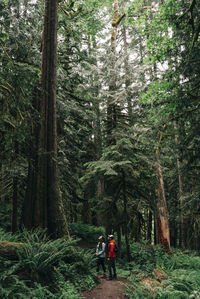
{"x":43,"y":205}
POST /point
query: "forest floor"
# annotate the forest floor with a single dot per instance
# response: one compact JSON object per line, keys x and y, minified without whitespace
{"x":108,"y":289}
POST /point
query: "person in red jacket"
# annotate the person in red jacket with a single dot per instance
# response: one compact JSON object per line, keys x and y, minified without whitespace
{"x":111,"y":257}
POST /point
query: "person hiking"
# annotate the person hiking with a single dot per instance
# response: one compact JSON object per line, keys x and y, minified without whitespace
{"x":101,"y":254}
{"x":111,"y":257}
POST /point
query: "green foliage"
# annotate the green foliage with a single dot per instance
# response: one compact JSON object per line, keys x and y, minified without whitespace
{"x":136,"y":291}
{"x":7,"y":236}
{"x":46,"y":269}
{"x":20,"y":28}
{"x":86,"y":232}
{"x":159,"y":65}
{"x":179,"y":273}
{"x":17,"y":288}
{"x":146,"y":257}
{"x":182,"y":283}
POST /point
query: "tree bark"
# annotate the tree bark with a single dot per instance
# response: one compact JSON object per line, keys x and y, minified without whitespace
{"x":111,"y":105}
{"x":44,"y":206}
{"x":149,"y":229}
{"x":15,"y":196}
{"x":14,"y":205}
{"x":163,"y":236}
{"x":125,"y":218}
{"x":99,"y":180}
{"x":180,"y":183}
{"x":127,"y":79}
{"x":119,"y":239}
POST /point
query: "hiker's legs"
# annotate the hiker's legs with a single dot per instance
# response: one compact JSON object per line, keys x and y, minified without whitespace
{"x":98,"y":265}
{"x":110,"y":268}
{"x":113,"y":267}
{"x":103,"y":264}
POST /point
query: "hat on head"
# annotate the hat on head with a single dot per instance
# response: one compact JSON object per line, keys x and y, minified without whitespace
{"x":111,"y":236}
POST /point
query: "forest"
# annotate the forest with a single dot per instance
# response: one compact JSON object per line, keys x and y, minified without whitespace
{"x":99,"y":135}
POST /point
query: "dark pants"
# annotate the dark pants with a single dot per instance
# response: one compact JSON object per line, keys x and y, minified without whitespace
{"x":111,"y":266}
{"x":101,"y":261}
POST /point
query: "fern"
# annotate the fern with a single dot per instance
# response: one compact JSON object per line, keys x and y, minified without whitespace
{"x":182,"y":273}
{"x":47,"y":269}
{"x":7,"y":236}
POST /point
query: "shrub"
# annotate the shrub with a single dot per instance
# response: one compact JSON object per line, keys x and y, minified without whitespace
{"x":86,"y":232}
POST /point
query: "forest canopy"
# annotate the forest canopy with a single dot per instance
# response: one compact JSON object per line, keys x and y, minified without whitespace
{"x":99,"y":118}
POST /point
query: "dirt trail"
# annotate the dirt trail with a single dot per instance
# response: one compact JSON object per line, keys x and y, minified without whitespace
{"x":108,"y":289}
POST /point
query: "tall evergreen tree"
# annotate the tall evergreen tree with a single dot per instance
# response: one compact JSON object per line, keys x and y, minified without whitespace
{"x":43,"y":205}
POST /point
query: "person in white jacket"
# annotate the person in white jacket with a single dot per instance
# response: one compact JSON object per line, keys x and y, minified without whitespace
{"x":101,"y":254}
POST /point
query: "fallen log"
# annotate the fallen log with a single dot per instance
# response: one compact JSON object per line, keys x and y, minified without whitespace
{"x":9,"y":249}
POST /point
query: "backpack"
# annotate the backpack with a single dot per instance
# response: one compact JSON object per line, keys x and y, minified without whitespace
{"x":116,"y":249}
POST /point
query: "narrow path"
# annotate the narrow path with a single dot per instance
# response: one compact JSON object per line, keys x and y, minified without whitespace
{"x":108,"y":289}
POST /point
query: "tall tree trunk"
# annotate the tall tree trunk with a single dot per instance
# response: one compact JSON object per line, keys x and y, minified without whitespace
{"x":127,"y":78}
{"x":180,"y":183}
{"x":111,"y":105}
{"x":155,"y":239}
{"x":119,"y":239}
{"x":15,"y":197}
{"x":97,"y":136}
{"x":149,"y":228}
{"x":45,"y":201}
{"x":162,"y":223}
{"x":125,"y":218}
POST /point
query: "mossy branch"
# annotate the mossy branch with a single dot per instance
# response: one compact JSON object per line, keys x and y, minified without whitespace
{"x":116,"y":21}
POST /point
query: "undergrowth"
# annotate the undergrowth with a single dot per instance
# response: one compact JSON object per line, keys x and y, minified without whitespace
{"x":158,"y":275}
{"x":60,"y":269}
{"x":86,"y":232}
{"x":46,"y":268}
